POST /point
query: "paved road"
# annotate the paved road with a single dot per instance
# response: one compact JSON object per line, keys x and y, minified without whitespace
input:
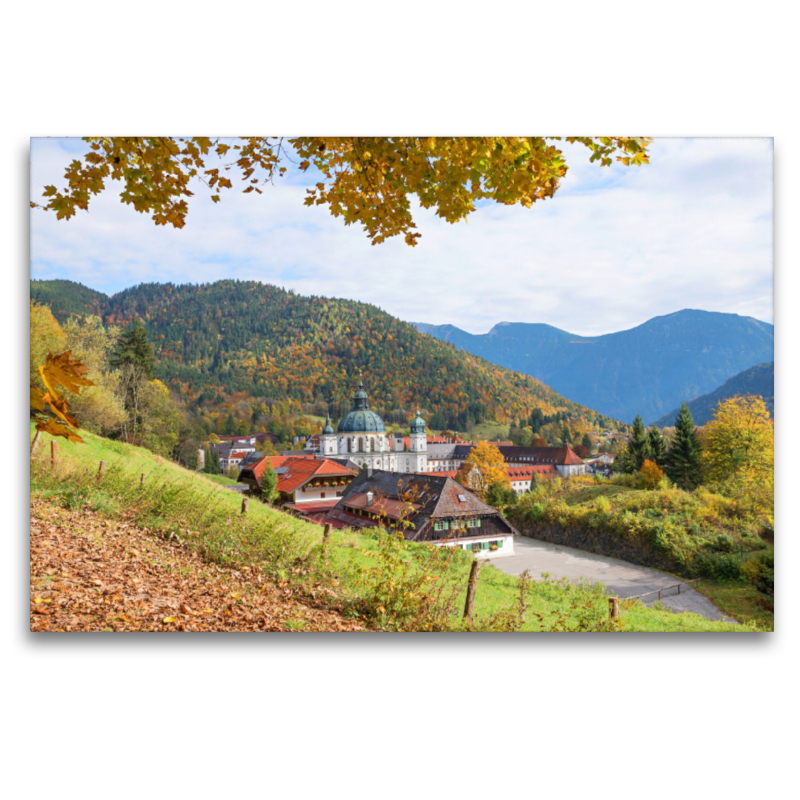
{"x":620,"y":577}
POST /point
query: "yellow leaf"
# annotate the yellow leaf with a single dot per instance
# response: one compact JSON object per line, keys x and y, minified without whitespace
{"x":169,"y":619}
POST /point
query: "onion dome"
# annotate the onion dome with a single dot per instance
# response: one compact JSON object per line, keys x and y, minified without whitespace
{"x":361,"y":419}
{"x":328,"y":429}
{"x":418,"y":424}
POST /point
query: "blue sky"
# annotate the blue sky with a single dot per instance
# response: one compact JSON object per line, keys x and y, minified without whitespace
{"x":614,"y":247}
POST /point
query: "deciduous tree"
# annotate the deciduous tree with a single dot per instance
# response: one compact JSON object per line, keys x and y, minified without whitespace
{"x":738,"y":448}
{"x":364,"y":180}
{"x":483,"y":466}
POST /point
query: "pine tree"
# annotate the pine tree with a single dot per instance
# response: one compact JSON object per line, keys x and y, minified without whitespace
{"x":587,"y":441}
{"x":639,"y":445}
{"x":658,"y":447}
{"x":134,"y":348}
{"x":682,"y":463}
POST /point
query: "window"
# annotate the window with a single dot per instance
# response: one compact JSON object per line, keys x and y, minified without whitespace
{"x":322,"y":495}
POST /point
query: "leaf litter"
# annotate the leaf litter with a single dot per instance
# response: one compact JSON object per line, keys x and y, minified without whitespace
{"x":91,"y":574}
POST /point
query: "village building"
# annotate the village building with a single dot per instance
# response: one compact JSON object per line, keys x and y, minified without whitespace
{"x":306,"y":485}
{"x":564,"y":461}
{"x":361,"y":437}
{"x":519,"y":478}
{"x":424,"y":508}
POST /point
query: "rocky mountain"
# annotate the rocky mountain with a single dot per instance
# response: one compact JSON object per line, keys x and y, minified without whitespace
{"x":758,"y":380}
{"x":648,"y":370}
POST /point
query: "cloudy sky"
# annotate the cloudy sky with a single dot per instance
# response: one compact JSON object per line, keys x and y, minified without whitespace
{"x":614,"y":247}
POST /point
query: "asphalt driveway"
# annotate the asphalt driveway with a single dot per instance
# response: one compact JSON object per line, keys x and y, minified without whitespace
{"x":619,"y":577}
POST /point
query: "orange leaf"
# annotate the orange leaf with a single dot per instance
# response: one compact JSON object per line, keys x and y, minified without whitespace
{"x":56,"y":428}
{"x":69,"y":373}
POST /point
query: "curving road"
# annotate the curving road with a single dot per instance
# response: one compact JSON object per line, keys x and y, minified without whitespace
{"x":619,"y":577}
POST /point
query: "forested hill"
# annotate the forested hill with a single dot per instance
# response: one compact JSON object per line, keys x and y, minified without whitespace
{"x":758,"y":380}
{"x":245,"y":339}
{"x":66,"y":298}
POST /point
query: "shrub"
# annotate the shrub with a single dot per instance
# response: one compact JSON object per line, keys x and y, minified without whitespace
{"x":651,"y":474}
{"x":602,"y":505}
{"x":760,"y":572}
{"x":723,"y":543}
{"x":535,"y":512}
{"x":721,"y":566}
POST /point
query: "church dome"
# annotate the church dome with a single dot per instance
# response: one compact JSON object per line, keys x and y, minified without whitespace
{"x":418,"y":424}
{"x":361,"y":419}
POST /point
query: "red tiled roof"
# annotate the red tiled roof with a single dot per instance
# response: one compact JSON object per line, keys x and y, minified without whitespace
{"x":238,"y":454}
{"x":299,"y":470}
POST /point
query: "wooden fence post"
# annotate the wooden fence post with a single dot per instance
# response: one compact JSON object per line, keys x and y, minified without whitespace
{"x":326,"y":532}
{"x":53,"y":454}
{"x":472,"y":585}
{"x":245,"y":504}
{"x":101,"y":470}
{"x":142,"y":479}
{"x":613,"y":607}
{"x":35,"y":442}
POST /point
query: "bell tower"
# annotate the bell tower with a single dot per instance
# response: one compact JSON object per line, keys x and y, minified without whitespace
{"x":327,"y":439}
{"x":418,"y":444}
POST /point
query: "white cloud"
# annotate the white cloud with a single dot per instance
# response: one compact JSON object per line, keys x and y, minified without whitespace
{"x":615,"y":246}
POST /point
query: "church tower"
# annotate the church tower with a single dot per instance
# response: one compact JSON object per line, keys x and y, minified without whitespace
{"x":327,"y":439}
{"x":418,"y":444}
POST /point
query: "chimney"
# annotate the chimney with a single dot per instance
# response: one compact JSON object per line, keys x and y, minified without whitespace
{"x":369,"y":471}
{"x":369,"y":498}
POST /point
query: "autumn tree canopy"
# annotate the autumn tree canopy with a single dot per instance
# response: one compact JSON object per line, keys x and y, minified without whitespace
{"x":368,"y":180}
{"x":483,"y":467}
{"x":738,"y":447}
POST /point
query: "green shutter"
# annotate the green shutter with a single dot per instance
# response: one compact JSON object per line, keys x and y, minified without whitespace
{"x":484,"y":545}
{"x":479,"y":523}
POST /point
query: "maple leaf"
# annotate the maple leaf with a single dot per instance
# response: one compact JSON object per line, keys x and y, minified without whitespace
{"x":61,"y":369}
{"x":56,"y":428}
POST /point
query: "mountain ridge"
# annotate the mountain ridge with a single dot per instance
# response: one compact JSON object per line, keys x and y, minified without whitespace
{"x":648,"y":369}
{"x":758,"y":380}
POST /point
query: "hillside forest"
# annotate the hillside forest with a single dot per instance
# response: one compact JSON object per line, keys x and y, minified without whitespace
{"x":234,"y":357}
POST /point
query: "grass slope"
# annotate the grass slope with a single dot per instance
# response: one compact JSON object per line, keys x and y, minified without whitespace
{"x":377,"y":581}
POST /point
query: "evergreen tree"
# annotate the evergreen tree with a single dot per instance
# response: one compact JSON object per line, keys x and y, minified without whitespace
{"x":269,"y":484}
{"x":639,"y":445}
{"x":587,"y":441}
{"x":682,"y":463}
{"x":134,"y":347}
{"x":658,"y":447}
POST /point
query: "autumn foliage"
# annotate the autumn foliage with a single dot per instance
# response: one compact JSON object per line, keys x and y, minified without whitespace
{"x":364,"y":180}
{"x":482,"y":468}
{"x":651,"y":473}
{"x":57,"y":371}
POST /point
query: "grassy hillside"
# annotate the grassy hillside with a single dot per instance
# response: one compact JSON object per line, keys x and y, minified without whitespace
{"x":758,"y":380}
{"x":231,"y":339}
{"x":382,"y":582}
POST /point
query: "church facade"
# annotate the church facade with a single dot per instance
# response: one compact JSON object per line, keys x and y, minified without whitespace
{"x":361,"y":437}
